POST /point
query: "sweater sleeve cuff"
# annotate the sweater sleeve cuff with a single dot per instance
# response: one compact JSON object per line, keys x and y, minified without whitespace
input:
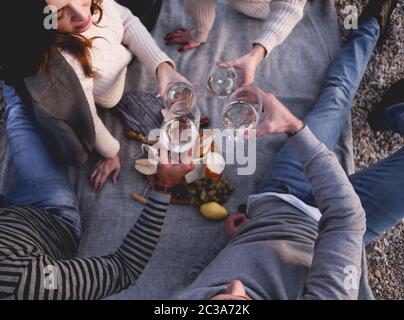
{"x":155,"y":64}
{"x":112,"y":151}
{"x":306,"y":144}
{"x":200,"y":36}
{"x":268,"y":42}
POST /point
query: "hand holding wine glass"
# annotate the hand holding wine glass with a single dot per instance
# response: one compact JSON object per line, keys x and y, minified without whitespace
{"x":278,"y":118}
{"x":248,"y":63}
{"x":166,"y":74}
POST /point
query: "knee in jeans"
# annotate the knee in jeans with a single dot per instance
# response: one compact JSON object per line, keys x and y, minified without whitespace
{"x":339,"y":85}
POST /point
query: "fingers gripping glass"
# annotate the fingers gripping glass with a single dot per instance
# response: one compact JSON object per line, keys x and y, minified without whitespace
{"x":221,"y":79}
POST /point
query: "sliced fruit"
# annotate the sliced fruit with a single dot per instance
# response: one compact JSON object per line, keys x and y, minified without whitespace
{"x":152,"y":153}
{"x":146,"y":167}
{"x":164,"y":112}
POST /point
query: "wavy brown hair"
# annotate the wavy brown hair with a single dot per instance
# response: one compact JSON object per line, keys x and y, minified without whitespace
{"x":76,"y":44}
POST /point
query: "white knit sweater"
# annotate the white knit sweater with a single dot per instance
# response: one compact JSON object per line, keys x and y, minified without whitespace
{"x":280,"y":16}
{"x":121,"y":35}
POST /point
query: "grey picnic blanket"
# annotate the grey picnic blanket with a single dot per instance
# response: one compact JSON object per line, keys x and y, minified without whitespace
{"x":293,"y":72}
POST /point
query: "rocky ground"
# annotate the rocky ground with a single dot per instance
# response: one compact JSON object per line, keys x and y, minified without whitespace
{"x":386,"y":255}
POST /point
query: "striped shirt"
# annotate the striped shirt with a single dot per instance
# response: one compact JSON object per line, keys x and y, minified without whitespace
{"x":38,"y":255}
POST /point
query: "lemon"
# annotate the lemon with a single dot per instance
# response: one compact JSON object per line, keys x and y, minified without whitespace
{"x":214,"y":211}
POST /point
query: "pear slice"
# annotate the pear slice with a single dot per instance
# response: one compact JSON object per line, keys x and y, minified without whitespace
{"x":152,"y":153}
{"x":146,"y":167}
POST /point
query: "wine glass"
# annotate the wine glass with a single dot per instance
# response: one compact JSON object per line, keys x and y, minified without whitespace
{"x":179,"y":97}
{"x":180,"y":132}
{"x":242,"y":110}
{"x":222,"y":79}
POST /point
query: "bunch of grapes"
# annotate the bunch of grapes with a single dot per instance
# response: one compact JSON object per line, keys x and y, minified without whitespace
{"x":208,"y":190}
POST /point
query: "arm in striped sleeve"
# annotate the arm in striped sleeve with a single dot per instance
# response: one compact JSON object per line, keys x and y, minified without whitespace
{"x":98,"y":277}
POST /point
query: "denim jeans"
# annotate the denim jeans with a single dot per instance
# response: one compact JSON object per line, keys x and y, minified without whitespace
{"x":379,"y":186}
{"x":39,"y":181}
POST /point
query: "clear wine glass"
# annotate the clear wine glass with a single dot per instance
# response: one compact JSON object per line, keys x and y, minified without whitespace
{"x":242,"y":110}
{"x":221,"y":79}
{"x":179,"y":97}
{"x":180,"y":132}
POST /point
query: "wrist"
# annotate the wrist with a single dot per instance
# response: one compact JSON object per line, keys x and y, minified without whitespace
{"x":164,"y":67}
{"x":294,"y":127}
{"x":159,"y":186}
{"x":113,"y":158}
{"x":258,"y":53}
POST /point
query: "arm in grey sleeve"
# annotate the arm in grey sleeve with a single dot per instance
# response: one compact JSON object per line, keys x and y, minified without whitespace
{"x":338,"y":249}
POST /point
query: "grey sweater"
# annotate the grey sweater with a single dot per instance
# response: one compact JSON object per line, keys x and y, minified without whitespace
{"x":284,"y":254}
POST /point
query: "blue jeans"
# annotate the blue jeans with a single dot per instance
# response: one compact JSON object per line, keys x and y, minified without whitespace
{"x":39,"y":181}
{"x":379,"y":186}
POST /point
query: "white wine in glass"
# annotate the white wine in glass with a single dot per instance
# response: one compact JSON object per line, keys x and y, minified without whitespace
{"x":221,"y":80}
{"x":242,"y":110}
{"x":180,"y":131}
{"x":240,"y":115}
{"x":179,"y":134}
{"x":179,"y":97}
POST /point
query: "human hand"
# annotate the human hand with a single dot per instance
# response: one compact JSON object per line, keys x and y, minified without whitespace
{"x":234,"y":223}
{"x":102,"y":170}
{"x":170,"y":174}
{"x":278,"y":118}
{"x":248,"y":63}
{"x":167,"y":74}
{"x":182,"y":36}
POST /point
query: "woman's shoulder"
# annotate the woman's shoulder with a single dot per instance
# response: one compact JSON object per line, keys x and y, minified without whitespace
{"x":71,"y":59}
{"x":77,"y":68}
{"x":110,"y":8}
{"x":111,"y":23}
